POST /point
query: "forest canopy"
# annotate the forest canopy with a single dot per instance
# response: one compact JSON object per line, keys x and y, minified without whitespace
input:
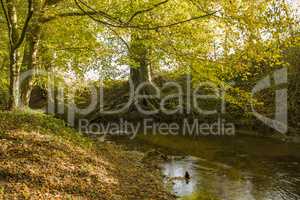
{"x":229,"y":43}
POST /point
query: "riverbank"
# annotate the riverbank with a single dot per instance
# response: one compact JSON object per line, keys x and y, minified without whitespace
{"x":42,"y":158}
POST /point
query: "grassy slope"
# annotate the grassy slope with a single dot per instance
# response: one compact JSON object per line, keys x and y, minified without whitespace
{"x":41,"y":158}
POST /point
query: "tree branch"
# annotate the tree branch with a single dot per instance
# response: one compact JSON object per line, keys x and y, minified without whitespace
{"x":141,"y":27}
{"x":102,"y":13}
{"x":5,"y":14}
{"x":8,"y":22}
{"x":117,"y":23}
{"x":74,"y":49}
{"x":146,"y":10}
{"x":70,"y":14}
{"x":25,"y":26}
{"x":184,"y":21}
{"x":122,"y":39}
{"x":91,"y":16}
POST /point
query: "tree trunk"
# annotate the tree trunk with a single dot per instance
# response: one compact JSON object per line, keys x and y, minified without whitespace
{"x":30,"y":61}
{"x":14,"y":81}
{"x":30,"y":58}
{"x":14,"y":70}
{"x":140,"y":73}
{"x":16,"y":39}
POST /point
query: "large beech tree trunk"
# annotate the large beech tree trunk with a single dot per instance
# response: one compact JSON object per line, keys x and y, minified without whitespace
{"x":139,"y":54}
{"x":141,"y":73}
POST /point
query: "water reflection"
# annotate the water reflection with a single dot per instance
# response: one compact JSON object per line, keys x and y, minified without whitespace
{"x":235,"y":168}
{"x":224,"y":182}
{"x":241,"y":176}
{"x":175,"y":169}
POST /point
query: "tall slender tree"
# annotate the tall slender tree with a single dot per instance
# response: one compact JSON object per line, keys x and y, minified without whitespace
{"x":16,"y":39}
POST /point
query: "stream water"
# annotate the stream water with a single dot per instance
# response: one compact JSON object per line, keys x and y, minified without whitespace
{"x":228,"y":168}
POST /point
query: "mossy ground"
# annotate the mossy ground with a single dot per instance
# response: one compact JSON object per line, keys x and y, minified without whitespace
{"x":42,"y":158}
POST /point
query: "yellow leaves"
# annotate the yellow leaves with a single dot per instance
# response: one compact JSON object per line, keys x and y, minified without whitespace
{"x":46,"y":165}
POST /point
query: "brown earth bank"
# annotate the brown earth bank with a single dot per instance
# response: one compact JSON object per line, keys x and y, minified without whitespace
{"x":41,"y":158}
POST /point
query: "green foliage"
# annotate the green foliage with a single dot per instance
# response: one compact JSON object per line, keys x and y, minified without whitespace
{"x":36,"y":121}
{"x":237,"y":42}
